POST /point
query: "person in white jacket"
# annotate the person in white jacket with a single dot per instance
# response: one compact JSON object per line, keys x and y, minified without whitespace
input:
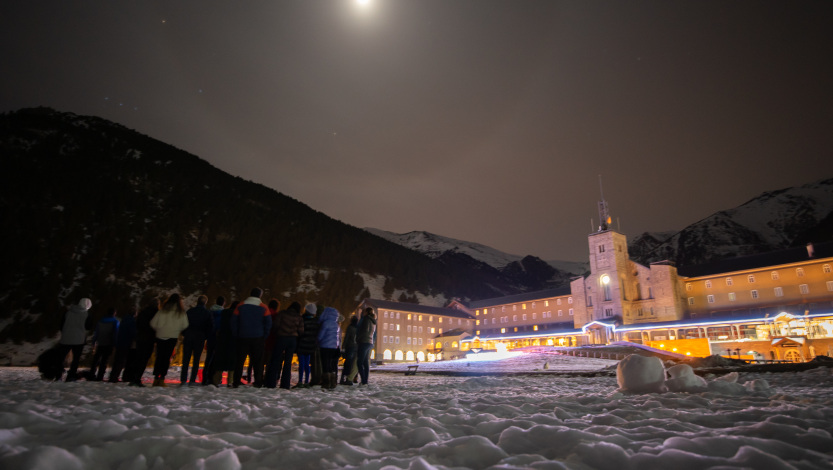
{"x":168,"y":323}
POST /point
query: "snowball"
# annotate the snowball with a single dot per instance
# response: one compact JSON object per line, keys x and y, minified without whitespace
{"x":683,"y":379}
{"x":640,"y":374}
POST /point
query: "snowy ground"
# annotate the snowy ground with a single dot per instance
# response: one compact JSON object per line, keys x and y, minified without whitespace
{"x":420,"y":422}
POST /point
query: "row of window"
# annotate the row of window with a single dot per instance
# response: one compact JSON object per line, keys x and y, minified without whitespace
{"x":547,"y":314}
{"x":751,"y":278}
{"x":395,"y":340}
{"x":804,"y":289}
{"x":410,"y":329}
{"x":485,"y":311}
{"x":417,"y":317}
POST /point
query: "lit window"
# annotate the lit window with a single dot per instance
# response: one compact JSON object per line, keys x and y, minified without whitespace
{"x":751,"y":279}
{"x":535,"y":328}
{"x":732,"y":296}
{"x":799,"y":272}
{"x":779,"y":292}
{"x":477,"y":313}
{"x":420,"y":318}
{"x":397,"y":327}
{"x":503,"y":330}
{"x":729,"y":281}
{"x":711,"y":299}
{"x":754,"y":294}
{"x":804,"y":289}
{"x":523,"y":307}
{"x":477,"y":322}
{"x":409,"y":316}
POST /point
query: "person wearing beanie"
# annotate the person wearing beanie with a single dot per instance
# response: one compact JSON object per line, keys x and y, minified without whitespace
{"x":307,"y":344}
{"x":74,"y":326}
{"x":250,"y":325}
{"x":289,"y":326}
{"x":329,"y":339}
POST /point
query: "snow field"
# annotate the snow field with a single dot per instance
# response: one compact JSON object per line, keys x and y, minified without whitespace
{"x":418,"y":422}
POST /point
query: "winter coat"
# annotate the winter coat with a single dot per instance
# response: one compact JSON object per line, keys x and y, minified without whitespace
{"x":74,"y":326}
{"x":106,"y":332}
{"x":308,"y":341}
{"x":169,"y":324}
{"x":329,"y":335}
{"x":366,"y":329}
{"x":127,"y":332}
{"x":349,"y":342}
{"x":144,"y":332}
{"x":224,"y":355}
{"x":251,"y":319}
{"x":289,"y":321}
{"x":200,"y":323}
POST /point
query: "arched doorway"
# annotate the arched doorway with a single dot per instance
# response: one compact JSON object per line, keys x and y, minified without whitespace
{"x":792,"y":355}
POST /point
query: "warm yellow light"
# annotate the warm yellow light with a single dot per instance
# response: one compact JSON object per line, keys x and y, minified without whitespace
{"x":662,"y":345}
{"x":675,"y":349}
{"x":605,"y":279}
{"x":688,"y":353}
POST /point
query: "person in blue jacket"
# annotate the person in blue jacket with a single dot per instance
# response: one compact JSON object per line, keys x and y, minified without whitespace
{"x":329,"y":339}
{"x":125,"y":346}
{"x":251,"y":325}
{"x":104,"y":341}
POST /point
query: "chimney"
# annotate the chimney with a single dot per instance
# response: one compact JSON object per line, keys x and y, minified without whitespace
{"x":811,"y":252}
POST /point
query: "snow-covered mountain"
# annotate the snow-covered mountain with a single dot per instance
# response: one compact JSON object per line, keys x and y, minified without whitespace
{"x":437,"y":246}
{"x":773,"y":221}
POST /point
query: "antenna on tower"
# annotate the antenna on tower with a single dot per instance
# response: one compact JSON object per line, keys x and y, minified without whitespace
{"x":604,"y":212}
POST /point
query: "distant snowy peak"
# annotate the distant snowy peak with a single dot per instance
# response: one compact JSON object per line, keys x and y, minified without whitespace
{"x":435,"y":245}
{"x":775,"y":220}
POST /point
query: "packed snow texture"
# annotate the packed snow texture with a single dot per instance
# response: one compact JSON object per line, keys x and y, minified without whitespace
{"x":421,"y":422}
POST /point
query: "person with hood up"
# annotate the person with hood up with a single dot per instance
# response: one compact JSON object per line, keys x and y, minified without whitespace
{"x":74,"y":326}
{"x":169,"y":322}
{"x":251,"y":324}
{"x":104,"y":340}
{"x":200,"y":327}
{"x":125,"y":345}
{"x":329,"y":339}
{"x":365,"y":337}
{"x":307,"y":344}
{"x":288,"y":327}
{"x":349,"y":349}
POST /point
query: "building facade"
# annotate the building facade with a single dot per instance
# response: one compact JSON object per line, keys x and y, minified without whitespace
{"x":772,"y":306}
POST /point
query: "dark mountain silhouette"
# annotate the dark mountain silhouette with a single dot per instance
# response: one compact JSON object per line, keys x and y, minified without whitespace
{"x":93,"y":209}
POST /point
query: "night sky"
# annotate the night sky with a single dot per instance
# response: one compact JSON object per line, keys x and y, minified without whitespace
{"x":488,"y":121}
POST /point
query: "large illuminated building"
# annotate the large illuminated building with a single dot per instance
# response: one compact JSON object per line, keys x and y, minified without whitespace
{"x":772,"y":306}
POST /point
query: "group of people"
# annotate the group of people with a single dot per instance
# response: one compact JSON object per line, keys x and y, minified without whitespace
{"x":269,"y":337}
